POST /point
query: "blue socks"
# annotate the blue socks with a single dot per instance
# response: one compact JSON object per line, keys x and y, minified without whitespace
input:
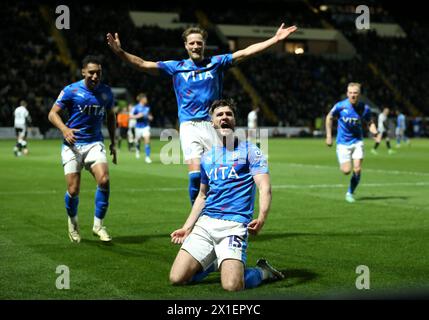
{"x":252,"y":278}
{"x":71,"y":204}
{"x":354,"y":181}
{"x":101,"y":202}
{"x":194,"y":185}
{"x":201,"y":275}
{"x":147,"y":149}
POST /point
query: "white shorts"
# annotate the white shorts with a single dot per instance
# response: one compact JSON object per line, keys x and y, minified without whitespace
{"x":399,"y":131}
{"x":213,"y":239}
{"x":79,"y":156}
{"x":346,"y":153}
{"x":196,"y":137}
{"x":142,"y":132}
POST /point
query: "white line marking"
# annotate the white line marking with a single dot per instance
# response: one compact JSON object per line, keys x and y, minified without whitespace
{"x":278,"y":186}
{"x":395,"y":172}
{"x":370,"y":185}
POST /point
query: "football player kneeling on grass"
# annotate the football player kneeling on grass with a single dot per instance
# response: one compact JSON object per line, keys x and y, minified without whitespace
{"x":215,"y":235}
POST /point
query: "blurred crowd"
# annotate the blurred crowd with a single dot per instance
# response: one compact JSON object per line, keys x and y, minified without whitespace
{"x":298,"y":88}
{"x":30,"y":68}
{"x":265,"y":13}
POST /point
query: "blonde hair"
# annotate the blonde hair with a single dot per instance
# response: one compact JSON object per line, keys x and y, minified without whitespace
{"x":354,"y":84}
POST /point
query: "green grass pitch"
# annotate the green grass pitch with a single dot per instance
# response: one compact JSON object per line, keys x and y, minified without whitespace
{"x":311,"y":234}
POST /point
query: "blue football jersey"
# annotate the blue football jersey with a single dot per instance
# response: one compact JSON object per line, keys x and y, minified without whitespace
{"x":350,"y":121}
{"x":144,"y":121}
{"x":229,"y":176}
{"x":196,"y":85}
{"x":400,"y":121}
{"x":86,"y":109}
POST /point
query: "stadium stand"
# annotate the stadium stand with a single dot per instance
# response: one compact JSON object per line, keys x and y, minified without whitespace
{"x":30,"y":67}
{"x":265,"y":13}
{"x":297,"y":88}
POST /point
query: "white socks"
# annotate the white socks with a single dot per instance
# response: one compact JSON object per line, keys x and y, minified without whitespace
{"x":98,"y":223}
{"x":265,"y":273}
{"x":73,"y":220}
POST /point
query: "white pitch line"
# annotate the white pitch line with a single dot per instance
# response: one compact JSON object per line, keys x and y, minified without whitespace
{"x":371,"y":185}
{"x":395,"y":172}
{"x":278,"y":186}
{"x":89,"y":191}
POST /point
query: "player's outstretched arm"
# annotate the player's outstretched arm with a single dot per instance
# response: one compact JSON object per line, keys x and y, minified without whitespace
{"x":111,"y":127}
{"x":328,"y":128}
{"x":281,"y":34}
{"x":149,"y":67}
{"x":264,"y":186}
{"x":55,"y":118}
{"x":179,"y":235}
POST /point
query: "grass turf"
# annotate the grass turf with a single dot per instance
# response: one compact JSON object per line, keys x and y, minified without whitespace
{"x":311,"y":234}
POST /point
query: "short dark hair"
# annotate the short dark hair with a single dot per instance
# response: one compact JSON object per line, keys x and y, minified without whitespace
{"x":223,"y":103}
{"x":141,"y":96}
{"x":90,"y":59}
{"x":192,"y":30}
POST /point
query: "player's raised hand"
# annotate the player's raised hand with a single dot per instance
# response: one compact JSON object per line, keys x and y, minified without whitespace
{"x":255,"y":226}
{"x":179,"y":235}
{"x":114,"y":42}
{"x":69,"y":136}
{"x":282,"y":32}
{"x":112,"y":149}
{"x":329,"y":141}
